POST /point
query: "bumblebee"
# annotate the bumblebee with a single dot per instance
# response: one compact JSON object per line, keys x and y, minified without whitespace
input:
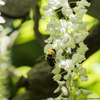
{"x":50,"y":57}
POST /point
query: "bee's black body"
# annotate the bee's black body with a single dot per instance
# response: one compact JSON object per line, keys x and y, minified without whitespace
{"x":50,"y":56}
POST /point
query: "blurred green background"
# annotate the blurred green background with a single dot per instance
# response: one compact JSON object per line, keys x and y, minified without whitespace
{"x":26,"y":50}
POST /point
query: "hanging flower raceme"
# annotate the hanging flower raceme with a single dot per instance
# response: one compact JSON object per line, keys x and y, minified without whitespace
{"x":67,"y":33}
{"x":4,"y":59}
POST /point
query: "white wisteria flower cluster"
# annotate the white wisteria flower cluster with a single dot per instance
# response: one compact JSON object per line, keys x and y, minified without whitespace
{"x":4,"y":60}
{"x":66,"y":37}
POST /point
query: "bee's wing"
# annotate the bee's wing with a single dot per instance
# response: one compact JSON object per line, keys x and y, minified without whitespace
{"x":40,"y":58}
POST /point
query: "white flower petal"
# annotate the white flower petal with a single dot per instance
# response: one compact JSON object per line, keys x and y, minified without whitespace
{"x":47,"y":47}
{"x":57,"y":90}
{"x":2,"y":20}
{"x":86,"y":92}
{"x":57,"y":77}
{"x":56,"y":70}
{"x":78,"y":92}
